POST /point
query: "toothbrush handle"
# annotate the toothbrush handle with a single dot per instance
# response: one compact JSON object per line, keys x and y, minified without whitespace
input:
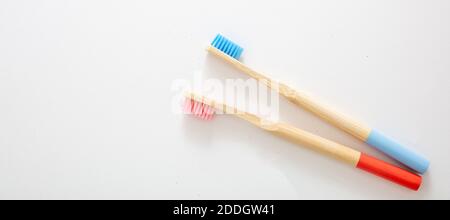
{"x":304,"y":138}
{"x":349,"y":155}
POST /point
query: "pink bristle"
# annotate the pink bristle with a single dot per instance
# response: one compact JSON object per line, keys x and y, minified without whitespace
{"x":203,"y":115}
{"x":187,"y":106}
{"x":198,"y":109}
{"x":195,"y":108}
{"x":210,"y":113}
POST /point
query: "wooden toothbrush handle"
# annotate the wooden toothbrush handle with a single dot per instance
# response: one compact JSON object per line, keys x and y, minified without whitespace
{"x":333,"y":117}
{"x":304,"y":138}
{"x":318,"y":143}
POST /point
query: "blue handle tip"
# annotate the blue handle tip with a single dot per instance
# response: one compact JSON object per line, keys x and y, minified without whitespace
{"x":397,"y":151}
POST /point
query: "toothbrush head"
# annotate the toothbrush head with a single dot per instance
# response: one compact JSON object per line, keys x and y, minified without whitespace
{"x":198,"y":109}
{"x":227,"y":46}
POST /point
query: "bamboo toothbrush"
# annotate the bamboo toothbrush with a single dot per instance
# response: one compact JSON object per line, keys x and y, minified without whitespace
{"x":230,"y":52}
{"x":205,"y":108}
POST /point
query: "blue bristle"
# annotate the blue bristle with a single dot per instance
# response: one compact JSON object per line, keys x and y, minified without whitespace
{"x":227,"y":46}
{"x":220,"y":42}
{"x":215,"y":39}
{"x":233,"y":51}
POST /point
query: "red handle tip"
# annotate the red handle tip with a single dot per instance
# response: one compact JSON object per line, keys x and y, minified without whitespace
{"x":389,"y":172}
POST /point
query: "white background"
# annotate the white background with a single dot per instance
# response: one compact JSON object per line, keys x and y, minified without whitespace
{"x":85,"y":97}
